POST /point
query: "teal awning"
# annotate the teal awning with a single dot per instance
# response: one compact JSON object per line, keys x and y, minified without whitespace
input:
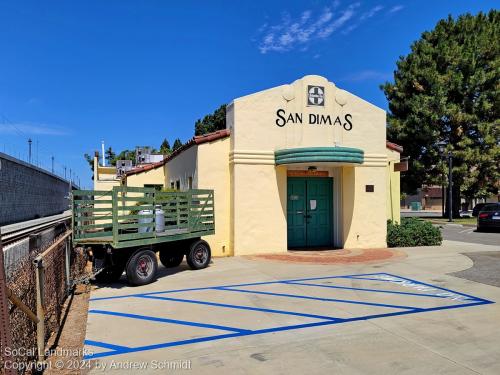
{"x":319,"y":154}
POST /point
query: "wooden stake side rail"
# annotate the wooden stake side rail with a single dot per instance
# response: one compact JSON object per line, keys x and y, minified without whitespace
{"x":125,"y":216}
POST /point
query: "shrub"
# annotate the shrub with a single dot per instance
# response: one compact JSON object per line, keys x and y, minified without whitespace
{"x":412,"y":232}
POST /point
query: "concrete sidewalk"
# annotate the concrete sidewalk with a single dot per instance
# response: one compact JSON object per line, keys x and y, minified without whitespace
{"x":453,"y":334}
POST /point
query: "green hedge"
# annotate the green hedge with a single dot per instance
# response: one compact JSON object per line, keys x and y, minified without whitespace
{"x":412,"y":232}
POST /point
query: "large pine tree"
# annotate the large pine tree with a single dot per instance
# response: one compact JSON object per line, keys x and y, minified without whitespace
{"x":213,"y":122}
{"x":447,"y":90}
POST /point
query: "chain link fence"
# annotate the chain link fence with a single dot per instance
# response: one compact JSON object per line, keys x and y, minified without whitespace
{"x":42,"y":281}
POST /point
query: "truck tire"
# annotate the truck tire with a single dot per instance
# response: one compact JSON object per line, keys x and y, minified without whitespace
{"x":171,"y":258}
{"x":142,"y":267}
{"x":110,"y":274}
{"x":112,"y":267}
{"x":198,"y":255}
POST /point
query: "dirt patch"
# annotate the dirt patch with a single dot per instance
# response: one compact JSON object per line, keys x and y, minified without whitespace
{"x":67,"y":346}
{"x":344,"y":256}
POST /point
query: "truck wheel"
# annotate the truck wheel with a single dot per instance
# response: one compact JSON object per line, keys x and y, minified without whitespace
{"x":199,"y":254}
{"x":112,"y":267}
{"x":110,"y":274}
{"x":141,"y":267}
{"x":171,"y":258}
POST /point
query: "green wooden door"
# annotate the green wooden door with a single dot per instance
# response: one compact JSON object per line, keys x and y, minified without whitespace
{"x":296,"y":212}
{"x":309,"y":212}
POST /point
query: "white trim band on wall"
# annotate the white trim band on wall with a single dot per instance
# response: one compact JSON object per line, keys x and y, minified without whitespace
{"x":251,"y":157}
{"x":375,"y":160}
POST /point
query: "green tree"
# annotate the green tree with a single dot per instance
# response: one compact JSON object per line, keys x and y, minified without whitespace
{"x":177,"y":144}
{"x":447,"y":90}
{"x":90,"y":160}
{"x":213,"y":122}
{"x":110,"y":156}
{"x":165,"y":147}
{"x":124,"y":155}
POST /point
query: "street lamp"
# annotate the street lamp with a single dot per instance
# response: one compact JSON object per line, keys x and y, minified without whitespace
{"x":441,"y":146}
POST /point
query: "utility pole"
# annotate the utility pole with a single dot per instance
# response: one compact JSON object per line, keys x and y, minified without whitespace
{"x":52,"y":164}
{"x":103,"y":157}
{"x":64,"y":172}
{"x":29,"y":150}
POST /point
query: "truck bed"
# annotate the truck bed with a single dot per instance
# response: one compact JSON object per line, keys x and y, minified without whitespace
{"x":126,"y":216}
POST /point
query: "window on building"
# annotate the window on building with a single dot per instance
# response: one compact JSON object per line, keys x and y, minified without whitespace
{"x":178,"y":185}
{"x":172,"y":185}
{"x":190,"y":182}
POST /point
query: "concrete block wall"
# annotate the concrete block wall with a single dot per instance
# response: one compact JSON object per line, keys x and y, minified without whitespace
{"x":28,"y":192}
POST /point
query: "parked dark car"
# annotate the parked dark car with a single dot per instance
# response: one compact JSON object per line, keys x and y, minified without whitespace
{"x":489,"y":217}
{"x":477,"y":208}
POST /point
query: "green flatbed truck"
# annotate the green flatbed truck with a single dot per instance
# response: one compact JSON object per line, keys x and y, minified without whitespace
{"x":126,"y":226}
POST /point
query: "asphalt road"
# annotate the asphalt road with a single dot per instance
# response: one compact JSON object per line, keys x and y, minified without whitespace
{"x":486,"y":268}
{"x":454,"y":232}
{"x":421,"y":214}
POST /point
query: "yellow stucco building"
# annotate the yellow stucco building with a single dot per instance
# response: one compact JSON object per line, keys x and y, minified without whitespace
{"x":302,"y":165}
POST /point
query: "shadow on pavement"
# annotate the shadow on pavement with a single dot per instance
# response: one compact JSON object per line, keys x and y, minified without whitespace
{"x":485,"y":270}
{"x":122,"y":283}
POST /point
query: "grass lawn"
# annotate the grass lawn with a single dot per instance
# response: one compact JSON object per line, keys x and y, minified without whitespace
{"x":462,"y":220}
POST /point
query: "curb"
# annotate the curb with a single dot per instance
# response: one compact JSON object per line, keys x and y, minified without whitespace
{"x":452,"y":224}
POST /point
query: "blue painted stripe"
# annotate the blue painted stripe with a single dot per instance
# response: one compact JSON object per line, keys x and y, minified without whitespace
{"x":362,"y":278}
{"x":282,"y":281}
{"x":166,"y":320}
{"x":113,"y":297}
{"x":363,"y":289}
{"x":317,"y":298}
{"x":226,"y":286}
{"x":105,"y":345}
{"x":216,"y":304}
{"x":151,"y":293}
{"x":288,"y":280}
{"x":275,"y":329}
{"x":162,"y":345}
{"x":438,"y":287}
{"x":470,"y":297}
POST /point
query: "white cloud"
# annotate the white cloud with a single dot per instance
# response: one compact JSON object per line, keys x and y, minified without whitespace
{"x":31,"y":129}
{"x":290,"y":33}
{"x":370,"y":13}
{"x":297,"y":33}
{"x":364,"y":17}
{"x":367,"y":75}
{"x":396,"y":8}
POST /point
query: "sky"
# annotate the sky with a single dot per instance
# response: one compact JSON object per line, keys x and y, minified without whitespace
{"x":133,"y":72}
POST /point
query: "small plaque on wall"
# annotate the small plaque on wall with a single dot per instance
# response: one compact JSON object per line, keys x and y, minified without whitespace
{"x":370,"y":188}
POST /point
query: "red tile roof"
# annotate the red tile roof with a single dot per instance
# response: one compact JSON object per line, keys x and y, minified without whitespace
{"x":393,"y":146}
{"x":196,"y":140}
{"x":144,"y":168}
{"x":210,"y":137}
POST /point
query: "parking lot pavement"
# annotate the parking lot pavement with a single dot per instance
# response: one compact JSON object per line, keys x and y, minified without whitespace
{"x":486,"y":268}
{"x":247,"y":316}
{"x":454,"y":232}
